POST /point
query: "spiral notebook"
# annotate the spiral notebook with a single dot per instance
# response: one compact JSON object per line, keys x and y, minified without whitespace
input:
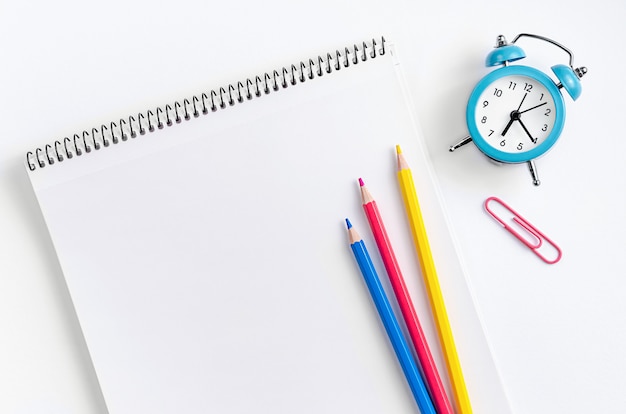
{"x":205,"y":252}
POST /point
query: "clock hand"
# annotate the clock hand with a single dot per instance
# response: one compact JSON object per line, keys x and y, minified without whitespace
{"x":506,"y":128}
{"x":520,"y":104}
{"x":530,"y":109}
{"x":534,"y":140}
{"x":514,"y":115}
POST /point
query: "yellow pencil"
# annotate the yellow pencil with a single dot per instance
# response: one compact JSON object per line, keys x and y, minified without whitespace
{"x":420,"y":239}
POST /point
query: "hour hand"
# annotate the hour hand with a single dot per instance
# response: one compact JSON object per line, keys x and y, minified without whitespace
{"x":514,"y":117}
{"x":506,"y":128}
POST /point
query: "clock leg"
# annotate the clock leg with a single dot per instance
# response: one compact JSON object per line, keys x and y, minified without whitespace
{"x":533,"y":172}
{"x":464,"y":141}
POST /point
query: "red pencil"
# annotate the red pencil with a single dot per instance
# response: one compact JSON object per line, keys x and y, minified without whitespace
{"x":424,"y":356}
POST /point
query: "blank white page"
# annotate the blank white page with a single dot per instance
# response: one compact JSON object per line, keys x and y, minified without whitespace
{"x":209,"y":265}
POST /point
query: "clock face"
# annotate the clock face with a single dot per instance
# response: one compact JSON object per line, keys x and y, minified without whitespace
{"x":516,"y":114}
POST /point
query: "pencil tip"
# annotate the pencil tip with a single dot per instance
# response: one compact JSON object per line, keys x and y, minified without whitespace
{"x":402,"y":165}
{"x":361,"y":183}
{"x":348,"y":224}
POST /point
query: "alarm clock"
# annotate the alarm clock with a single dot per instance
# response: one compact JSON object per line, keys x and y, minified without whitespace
{"x":516,"y":113}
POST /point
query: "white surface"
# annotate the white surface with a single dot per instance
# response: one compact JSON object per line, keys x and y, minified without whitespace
{"x":556,"y":330}
{"x":207,"y":262}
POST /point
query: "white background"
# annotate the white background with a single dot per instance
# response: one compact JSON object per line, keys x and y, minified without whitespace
{"x":557,"y":331}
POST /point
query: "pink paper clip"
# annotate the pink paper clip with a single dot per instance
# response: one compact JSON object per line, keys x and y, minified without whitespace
{"x":537,"y":236}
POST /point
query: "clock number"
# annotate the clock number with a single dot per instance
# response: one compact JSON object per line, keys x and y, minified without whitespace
{"x":484,"y":120}
{"x":491,"y":131}
{"x":548,"y":112}
{"x":497,"y":92}
{"x":541,"y":98}
{"x":485,"y":103}
{"x":528,"y":87}
{"x":512,"y":85}
{"x":503,"y":143}
{"x":520,"y":146}
{"x":545,"y":127}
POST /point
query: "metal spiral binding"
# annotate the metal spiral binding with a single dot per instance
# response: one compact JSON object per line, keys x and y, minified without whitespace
{"x":115,"y":132}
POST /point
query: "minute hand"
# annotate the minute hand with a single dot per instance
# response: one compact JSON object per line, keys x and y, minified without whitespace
{"x":534,"y":107}
{"x":534,"y":140}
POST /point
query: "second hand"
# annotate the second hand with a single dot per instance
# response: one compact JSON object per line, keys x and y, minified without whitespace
{"x":534,"y":107}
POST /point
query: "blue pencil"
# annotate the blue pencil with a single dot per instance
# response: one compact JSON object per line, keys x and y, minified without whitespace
{"x":400,"y":345}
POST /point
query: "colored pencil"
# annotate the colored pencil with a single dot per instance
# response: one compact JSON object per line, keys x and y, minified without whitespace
{"x":398,"y":341}
{"x":420,"y":240}
{"x":424,"y":356}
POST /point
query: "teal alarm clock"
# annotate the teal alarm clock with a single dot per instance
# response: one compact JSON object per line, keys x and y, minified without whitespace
{"x":516,"y":113}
